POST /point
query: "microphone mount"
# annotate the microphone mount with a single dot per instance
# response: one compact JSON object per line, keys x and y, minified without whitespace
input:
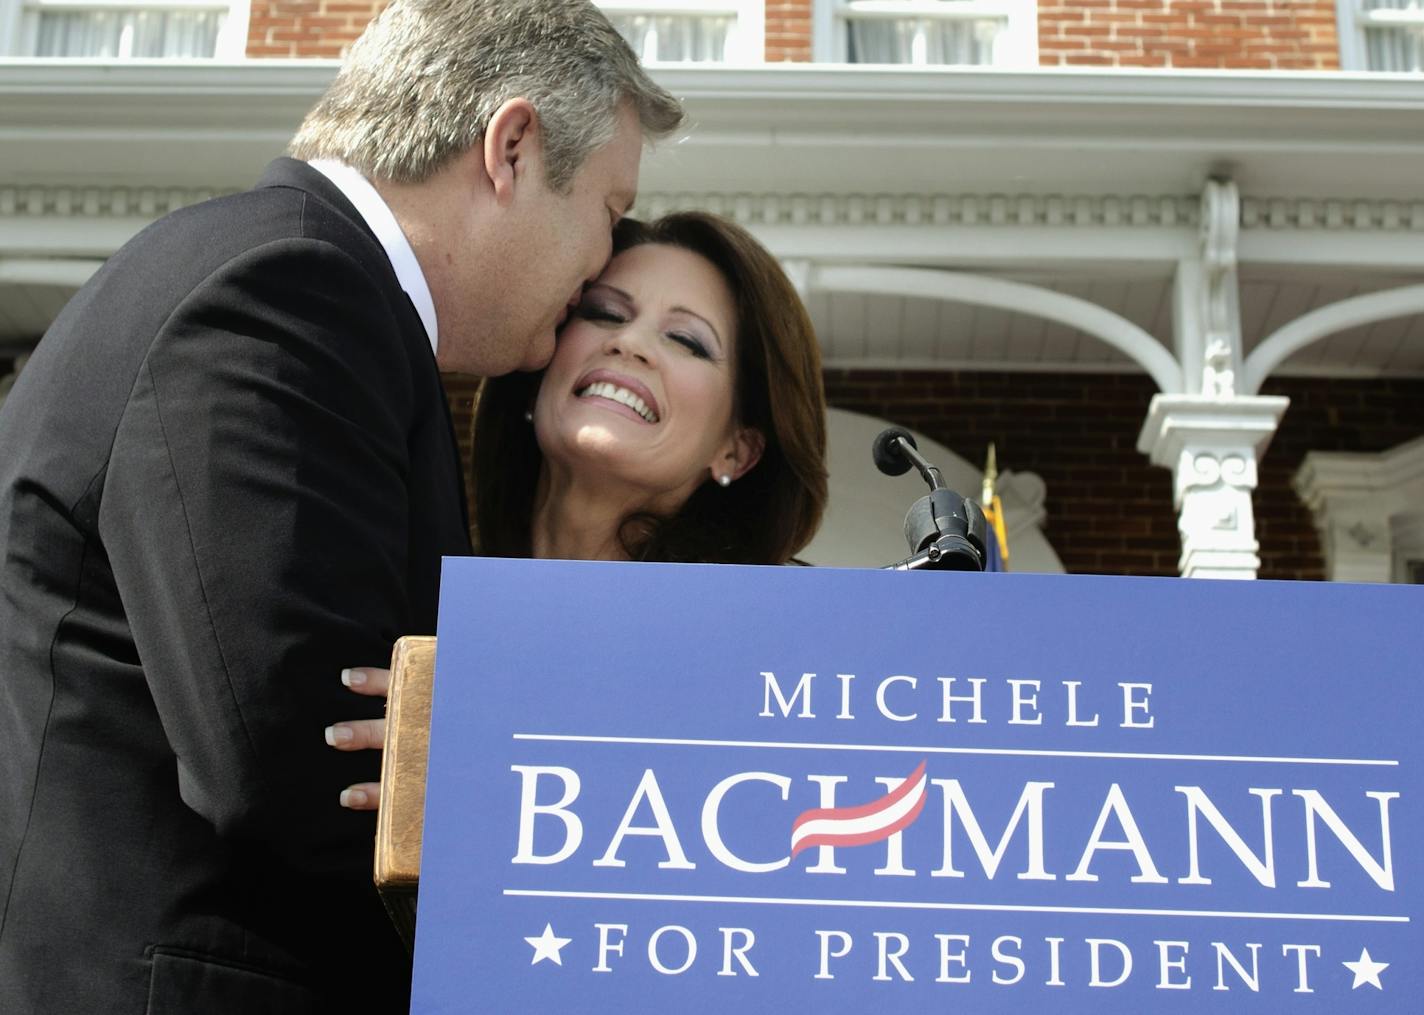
{"x":945,"y":532}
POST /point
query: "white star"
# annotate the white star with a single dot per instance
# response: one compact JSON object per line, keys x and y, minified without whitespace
{"x":547,"y":945}
{"x":1366,"y":970}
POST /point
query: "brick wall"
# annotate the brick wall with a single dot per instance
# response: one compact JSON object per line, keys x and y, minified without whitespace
{"x":307,"y":28}
{"x":1241,"y":34}
{"x":1109,"y":510}
{"x":788,"y":31}
{"x":325,"y":28}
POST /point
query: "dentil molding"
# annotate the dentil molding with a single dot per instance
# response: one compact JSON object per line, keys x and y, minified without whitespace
{"x":33,"y":200}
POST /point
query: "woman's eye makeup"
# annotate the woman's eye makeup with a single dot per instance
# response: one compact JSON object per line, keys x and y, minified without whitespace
{"x":594,"y":310}
{"x":601,"y":310}
{"x":691,"y":343}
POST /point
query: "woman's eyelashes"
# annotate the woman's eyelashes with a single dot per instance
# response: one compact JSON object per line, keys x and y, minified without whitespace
{"x":691,"y":343}
{"x":593,"y":311}
{"x":603,"y":313}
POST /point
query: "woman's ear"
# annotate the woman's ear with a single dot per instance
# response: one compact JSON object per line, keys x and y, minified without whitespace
{"x":741,"y":452}
{"x":511,"y":144}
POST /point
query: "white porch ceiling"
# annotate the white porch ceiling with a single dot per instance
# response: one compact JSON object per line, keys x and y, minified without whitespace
{"x":895,"y":332}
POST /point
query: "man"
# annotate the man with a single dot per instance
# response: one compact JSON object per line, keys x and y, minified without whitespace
{"x":227,"y":472}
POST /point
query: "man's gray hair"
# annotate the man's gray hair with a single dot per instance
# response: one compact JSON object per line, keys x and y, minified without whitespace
{"x":423,"y":81}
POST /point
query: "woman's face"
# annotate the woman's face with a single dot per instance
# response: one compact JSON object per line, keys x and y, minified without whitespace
{"x":639,"y":392}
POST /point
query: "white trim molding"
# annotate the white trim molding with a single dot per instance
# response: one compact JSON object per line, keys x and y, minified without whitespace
{"x":1129,"y":211}
{"x":1212,"y":445}
{"x":65,"y":272}
{"x":1369,"y":510}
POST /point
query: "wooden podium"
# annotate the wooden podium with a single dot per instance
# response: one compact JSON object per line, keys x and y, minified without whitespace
{"x":400,"y":822}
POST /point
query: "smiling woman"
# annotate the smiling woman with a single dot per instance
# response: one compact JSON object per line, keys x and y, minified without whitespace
{"x":681,"y":419}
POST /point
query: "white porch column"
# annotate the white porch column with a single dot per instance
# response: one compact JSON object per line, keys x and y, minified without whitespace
{"x":1209,"y":436}
{"x":1369,"y":509}
{"x":1212,"y":444}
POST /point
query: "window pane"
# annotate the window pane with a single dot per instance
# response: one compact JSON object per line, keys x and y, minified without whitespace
{"x":1395,"y":48}
{"x":933,"y":41}
{"x":676,"y":37}
{"x":146,"y":34}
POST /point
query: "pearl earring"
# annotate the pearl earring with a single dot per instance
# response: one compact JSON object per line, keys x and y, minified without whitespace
{"x":528,"y":415}
{"x":724,"y":479}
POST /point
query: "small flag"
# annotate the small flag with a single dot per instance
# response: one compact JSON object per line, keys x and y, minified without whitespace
{"x":864,"y":824}
{"x":996,"y":553}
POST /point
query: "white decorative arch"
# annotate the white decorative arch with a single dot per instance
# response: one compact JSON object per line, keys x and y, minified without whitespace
{"x":1018,"y":297}
{"x":1325,"y":321}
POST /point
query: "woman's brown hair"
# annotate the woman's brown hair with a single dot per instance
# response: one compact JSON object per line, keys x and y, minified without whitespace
{"x":768,"y":514}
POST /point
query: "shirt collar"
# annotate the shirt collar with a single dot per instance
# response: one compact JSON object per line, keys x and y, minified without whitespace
{"x":377,"y":215}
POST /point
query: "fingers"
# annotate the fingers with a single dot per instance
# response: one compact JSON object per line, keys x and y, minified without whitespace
{"x":364,"y":796}
{"x":357,"y":735}
{"x":361,"y":734}
{"x":371,"y":680}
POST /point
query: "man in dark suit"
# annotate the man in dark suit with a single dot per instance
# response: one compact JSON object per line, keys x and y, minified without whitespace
{"x":228,"y":472}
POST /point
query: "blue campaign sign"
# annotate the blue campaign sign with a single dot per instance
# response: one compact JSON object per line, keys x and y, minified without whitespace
{"x":758,"y":790}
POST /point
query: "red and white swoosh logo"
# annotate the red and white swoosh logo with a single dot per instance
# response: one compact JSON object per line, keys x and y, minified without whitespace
{"x":863,"y":824}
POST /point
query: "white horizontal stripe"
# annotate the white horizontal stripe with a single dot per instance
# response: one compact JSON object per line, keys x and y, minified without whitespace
{"x":794,"y":745}
{"x":967,"y":906}
{"x":866,"y":823}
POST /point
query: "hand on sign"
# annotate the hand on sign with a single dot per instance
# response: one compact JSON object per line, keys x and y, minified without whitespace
{"x":361,"y":734}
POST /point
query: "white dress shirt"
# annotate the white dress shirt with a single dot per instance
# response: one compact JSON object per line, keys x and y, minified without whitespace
{"x":377,"y":215}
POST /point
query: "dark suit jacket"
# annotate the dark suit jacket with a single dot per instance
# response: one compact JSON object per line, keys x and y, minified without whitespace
{"x":227,"y":472}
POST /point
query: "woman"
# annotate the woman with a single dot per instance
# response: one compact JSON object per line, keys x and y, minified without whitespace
{"x":682,"y":418}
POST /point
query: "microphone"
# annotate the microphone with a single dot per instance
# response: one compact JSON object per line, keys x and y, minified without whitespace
{"x":895,"y":451}
{"x":889,"y":459}
{"x":945,"y":532}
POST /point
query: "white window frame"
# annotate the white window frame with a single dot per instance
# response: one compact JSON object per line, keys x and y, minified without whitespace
{"x":1351,"y":20}
{"x":1016,"y":46}
{"x":18,"y":29}
{"x":748,"y":43}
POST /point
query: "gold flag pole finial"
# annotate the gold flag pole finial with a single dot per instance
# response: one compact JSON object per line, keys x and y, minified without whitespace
{"x":991,"y":473}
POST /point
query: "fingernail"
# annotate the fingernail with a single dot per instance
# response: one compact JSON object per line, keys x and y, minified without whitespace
{"x":353,"y":798}
{"x":353,"y":678}
{"x":338,"y":735}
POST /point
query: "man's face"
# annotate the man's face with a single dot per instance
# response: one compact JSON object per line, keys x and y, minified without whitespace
{"x":564,"y":242}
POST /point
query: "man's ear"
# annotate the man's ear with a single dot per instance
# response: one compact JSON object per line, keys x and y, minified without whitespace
{"x":741,"y":452}
{"x":511,"y":145}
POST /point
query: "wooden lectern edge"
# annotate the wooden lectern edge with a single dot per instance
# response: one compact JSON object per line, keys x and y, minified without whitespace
{"x":400,"y":822}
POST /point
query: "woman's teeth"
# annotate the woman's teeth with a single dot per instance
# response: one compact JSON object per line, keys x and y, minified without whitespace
{"x":602,"y":389}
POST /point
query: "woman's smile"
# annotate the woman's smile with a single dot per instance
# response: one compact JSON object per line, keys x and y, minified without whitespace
{"x":621,"y":393}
